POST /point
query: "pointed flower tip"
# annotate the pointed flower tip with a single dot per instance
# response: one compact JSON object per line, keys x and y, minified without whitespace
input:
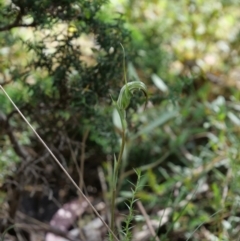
{"x":126,"y":92}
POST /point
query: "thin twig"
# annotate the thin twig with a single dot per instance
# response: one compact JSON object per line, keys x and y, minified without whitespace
{"x":148,"y":221}
{"x":147,"y":166}
{"x":82,"y":158}
{"x":105,"y":190}
{"x":60,"y":165}
{"x":20,"y":151}
{"x":17,"y":23}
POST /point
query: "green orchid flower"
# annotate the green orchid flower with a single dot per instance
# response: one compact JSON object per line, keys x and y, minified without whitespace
{"x":126,"y":93}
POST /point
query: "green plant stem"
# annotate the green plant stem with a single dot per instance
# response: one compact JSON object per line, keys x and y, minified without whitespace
{"x":115,"y":177}
{"x":121,"y":105}
{"x":119,"y":161}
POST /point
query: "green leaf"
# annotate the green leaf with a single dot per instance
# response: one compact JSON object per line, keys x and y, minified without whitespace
{"x":159,"y":83}
{"x":157,"y":122}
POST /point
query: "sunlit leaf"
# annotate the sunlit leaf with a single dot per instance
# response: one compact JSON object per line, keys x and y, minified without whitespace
{"x":162,"y":119}
{"x":234,"y":118}
{"x":159,"y":83}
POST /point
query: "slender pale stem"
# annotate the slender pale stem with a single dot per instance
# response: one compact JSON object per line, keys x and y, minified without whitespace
{"x":82,"y":159}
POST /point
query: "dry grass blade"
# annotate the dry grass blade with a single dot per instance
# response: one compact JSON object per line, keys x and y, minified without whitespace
{"x":60,"y":165}
{"x":148,"y":221}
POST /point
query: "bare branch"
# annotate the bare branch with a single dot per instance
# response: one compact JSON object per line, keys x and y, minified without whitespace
{"x":20,"y":151}
{"x":17,"y":23}
{"x":6,"y":128}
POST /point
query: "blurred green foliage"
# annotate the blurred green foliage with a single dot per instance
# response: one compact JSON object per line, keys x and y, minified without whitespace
{"x":61,"y":61}
{"x":193,"y":47}
{"x":60,"y":58}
